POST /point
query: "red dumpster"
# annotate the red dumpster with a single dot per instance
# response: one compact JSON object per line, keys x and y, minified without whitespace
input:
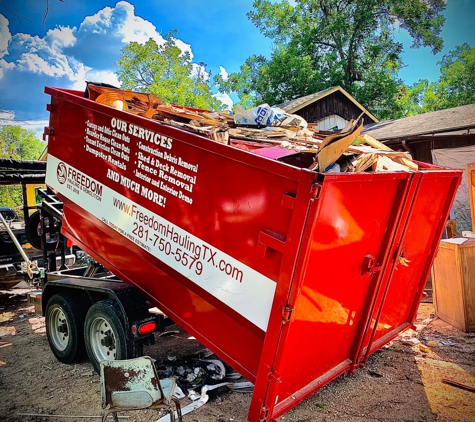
{"x":290,"y":276}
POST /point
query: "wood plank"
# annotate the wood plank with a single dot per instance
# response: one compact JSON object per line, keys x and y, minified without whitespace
{"x":329,"y":153}
{"x":471,"y":191}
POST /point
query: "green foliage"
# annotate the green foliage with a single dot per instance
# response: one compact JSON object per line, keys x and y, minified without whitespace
{"x":167,"y":72}
{"x":324,"y":43}
{"x":18,"y":143}
{"x":455,"y":86}
{"x":410,"y":99}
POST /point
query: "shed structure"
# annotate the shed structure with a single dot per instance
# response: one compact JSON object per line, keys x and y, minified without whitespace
{"x":328,"y":110}
{"x":421,"y":134}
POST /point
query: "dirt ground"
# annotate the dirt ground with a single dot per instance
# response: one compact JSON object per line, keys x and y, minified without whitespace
{"x":401,"y":382}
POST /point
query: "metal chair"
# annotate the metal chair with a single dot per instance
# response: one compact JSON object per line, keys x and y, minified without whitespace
{"x":133,"y":384}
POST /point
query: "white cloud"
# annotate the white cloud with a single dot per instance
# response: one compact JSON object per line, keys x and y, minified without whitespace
{"x":5,"y":66}
{"x":224,"y":73}
{"x":121,"y":22}
{"x":98,"y":23}
{"x":106,"y":76}
{"x":6,"y":116}
{"x":33,"y":63}
{"x":225,"y":99}
{"x":62,"y":36}
{"x":68,"y":56}
{"x":186,"y":48}
{"x":200,"y":71}
{"x":5,"y":36}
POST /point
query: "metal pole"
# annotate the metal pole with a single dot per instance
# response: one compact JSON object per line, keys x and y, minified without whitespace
{"x":29,"y":264}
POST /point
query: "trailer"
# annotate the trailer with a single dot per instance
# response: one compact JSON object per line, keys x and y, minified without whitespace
{"x":21,"y":251}
{"x":291,"y":276}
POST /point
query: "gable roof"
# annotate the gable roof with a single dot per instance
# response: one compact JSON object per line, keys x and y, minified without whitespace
{"x":441,"y":121}
{"x":299,"y":103}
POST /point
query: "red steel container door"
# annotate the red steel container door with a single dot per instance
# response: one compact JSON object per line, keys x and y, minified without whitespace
{"x":413,"y":252}
{"x":348,"y":234}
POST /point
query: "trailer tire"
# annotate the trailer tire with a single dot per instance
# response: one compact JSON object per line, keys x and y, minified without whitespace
{"x":32,"y":230}
{"x":33,"y":233}
{"x":64,"y":318}
{"x":104,"y":334}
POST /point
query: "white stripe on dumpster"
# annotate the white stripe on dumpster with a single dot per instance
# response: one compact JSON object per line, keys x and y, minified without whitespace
{"x":237,"y":285}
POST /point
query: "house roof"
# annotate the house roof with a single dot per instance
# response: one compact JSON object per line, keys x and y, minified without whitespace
{"x":299,"y":103}
{"x":436,"y":122}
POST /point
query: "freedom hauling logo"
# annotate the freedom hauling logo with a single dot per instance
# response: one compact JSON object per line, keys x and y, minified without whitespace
{"x":76,"y":181}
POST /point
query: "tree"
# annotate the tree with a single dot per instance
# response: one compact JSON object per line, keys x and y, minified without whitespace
{"x":167,"y":72}
{"x":323,"y":43}
{"x":456,"y":84}
{"x":410,"y":99}
{"x":18,"y":143}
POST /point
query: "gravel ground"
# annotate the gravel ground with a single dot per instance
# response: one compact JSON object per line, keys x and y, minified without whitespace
{"x":400,"y":382}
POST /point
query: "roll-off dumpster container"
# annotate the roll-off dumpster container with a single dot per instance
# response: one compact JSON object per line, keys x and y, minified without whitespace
{"x":290,"y":276}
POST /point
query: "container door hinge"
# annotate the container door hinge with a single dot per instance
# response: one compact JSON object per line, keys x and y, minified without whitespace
{"x":287,"y":313}
{"x":315,"y":191}
{"x":48,"y":133}
{"x":264,"y":414}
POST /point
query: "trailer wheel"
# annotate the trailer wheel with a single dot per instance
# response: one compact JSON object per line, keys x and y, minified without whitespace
{"x":32,"y":230}
{"x":33,"y":233}
{"x":64,"y":318}
{"x":104,"y":334}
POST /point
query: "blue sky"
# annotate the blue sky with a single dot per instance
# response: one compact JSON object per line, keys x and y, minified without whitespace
{"x":82,"y":39}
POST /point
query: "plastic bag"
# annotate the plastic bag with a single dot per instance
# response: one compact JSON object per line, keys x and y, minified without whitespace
{"x":262,"y":115}
{"x":265,"y":115}
{"x":287,"y":119}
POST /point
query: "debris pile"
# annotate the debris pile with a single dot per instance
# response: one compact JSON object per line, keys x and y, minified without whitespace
{"x":283,"y":137}
{"x":196,"y":375}
{"x":194,"y":372}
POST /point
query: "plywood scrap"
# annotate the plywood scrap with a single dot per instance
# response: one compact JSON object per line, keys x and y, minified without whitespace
{"x":6,"y":316}
{"x":331,"y":151}
{"x":348,"y":129}
{"x":269,"y":132}
{"x":407,"y":161}
{"x":383,"y":163}
{"x":7,"y":331}
{"x":362,"y":149}
{"x":37,"y":325}
{"x":220,"y":134}
{"x":365,"y":161}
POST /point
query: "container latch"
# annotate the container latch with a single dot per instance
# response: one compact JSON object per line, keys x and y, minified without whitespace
{"x":369,"y":265}
{"x":287,"y":313}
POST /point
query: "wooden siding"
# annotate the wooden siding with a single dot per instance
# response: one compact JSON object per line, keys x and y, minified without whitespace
{"x":421,"y":147}
{"x":335,"y":103}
